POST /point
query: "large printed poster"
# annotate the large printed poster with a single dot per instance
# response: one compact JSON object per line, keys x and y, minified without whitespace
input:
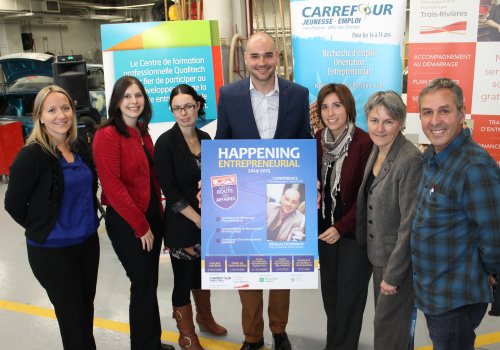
{"x":358,"y":44}
{"x":163,"y":55}
{"x":452,"y":38}
{"x":259,"y":214}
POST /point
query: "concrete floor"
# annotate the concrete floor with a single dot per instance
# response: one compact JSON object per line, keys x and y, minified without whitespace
{"x":27,"y":320}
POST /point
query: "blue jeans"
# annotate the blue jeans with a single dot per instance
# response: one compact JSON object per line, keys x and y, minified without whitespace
{"x":454,"y":330}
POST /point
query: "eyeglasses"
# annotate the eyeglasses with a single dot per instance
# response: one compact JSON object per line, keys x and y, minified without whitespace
{"x":186,"y":108}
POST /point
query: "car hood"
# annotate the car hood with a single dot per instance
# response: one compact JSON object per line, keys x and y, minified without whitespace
{"x":21,"y":65}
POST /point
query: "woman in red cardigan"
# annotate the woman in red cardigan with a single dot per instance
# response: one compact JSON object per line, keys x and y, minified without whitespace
{"x":343,"y":151}
{"x":123,"y":153}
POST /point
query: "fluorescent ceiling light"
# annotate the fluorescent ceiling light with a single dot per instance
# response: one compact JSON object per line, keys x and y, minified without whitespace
{"x":107,"y":17}
{"x":124,"y":19}
{"x":57,"y":22}
{"x":19,"y":14}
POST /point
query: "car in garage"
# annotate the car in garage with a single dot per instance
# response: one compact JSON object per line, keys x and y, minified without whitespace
{"x":24,"y":75}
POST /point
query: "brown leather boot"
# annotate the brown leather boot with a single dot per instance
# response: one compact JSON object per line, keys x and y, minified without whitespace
{"x":188,"y":340}
{"x":204,"y":316}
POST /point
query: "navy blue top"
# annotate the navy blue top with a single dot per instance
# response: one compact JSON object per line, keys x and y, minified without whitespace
{"x":77,"y":218}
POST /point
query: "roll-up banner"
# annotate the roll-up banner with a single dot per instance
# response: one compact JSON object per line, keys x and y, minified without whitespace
{"x":357,"y":44}
{"x":457,"y":39}
{"x":163,"y":55}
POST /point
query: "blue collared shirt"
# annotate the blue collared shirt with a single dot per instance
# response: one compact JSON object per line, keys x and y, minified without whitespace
{"x":455,"y":241}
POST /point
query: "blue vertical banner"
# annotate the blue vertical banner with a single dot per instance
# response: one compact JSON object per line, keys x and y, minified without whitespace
{"x":163,"y":55}
{"x":259,"y":214}
{"x":341,"y":41}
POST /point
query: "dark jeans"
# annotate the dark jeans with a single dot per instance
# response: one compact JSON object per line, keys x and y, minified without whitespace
{"x":187,"y":276}
{"x":69,"y":275}
{"x":141,"y":267}
{"x":454,"y":330}
{"x":345,"y":272}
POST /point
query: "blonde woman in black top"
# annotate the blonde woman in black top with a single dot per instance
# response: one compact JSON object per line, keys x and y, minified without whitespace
{"x":52,"y":194}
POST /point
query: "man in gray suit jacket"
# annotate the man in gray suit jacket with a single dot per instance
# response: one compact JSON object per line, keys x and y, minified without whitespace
{"x":263,"y":106}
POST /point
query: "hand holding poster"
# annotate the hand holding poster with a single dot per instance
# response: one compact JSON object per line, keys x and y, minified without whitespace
{"x":259,"y":214}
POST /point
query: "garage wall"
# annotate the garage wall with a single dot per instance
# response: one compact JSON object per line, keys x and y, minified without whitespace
{"x":13,"y":32}
{"x":70,"y":39}
{"x":4,"y":47}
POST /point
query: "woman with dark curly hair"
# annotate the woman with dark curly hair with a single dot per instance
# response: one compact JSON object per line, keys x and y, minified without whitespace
{"x":178,"y":165}
{"x":123,"y":152}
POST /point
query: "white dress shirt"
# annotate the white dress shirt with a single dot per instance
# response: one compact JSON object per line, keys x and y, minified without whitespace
{"x":265,"y":109}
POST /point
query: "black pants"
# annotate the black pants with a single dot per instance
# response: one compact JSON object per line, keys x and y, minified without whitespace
{"x":187,"y":276}
{"x":69,"y":275}
{"x":345,"y":273}
{"x":141,"y":267}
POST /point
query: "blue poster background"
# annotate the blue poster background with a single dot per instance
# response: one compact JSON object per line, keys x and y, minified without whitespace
{"x":159,"y":92}
{"x":358,"y":44}
{"x":385,"y":70}
{"x":163,"y":55}
{"x":241,"y":230}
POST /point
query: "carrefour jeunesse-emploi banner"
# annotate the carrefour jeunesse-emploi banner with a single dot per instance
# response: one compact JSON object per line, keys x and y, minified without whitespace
{"x":259,"y":214}
{"x":357,"y":44}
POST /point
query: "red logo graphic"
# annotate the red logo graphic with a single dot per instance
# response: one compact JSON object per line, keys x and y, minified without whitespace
{"x":224,"y":180}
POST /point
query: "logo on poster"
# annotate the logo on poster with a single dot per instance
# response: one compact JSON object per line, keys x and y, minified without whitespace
{"x":348,"y":14}
{"x":348,"y":10}
{"x":224,"y":191}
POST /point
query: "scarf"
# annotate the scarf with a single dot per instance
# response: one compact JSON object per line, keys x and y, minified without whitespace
{"x":334,"y":151}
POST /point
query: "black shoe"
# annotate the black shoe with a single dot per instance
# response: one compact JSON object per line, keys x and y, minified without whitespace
{"x":252,"y":346}
{"x":166,"y":347}
{"x":281,"y":342}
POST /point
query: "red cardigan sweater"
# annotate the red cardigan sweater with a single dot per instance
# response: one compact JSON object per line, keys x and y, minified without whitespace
{"x":351,"y":177}
{"x":125,"y":175}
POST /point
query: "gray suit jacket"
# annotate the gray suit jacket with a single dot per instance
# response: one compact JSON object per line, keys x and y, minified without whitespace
{"x":384,"y":221}
{"x":292,"y":228}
